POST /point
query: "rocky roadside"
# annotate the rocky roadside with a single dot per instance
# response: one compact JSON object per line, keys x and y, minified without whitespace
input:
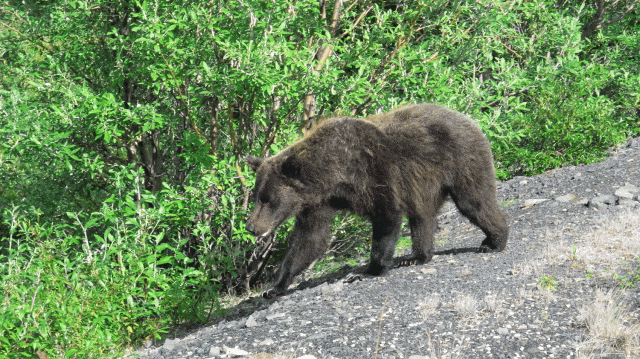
{"x":570,"y":230}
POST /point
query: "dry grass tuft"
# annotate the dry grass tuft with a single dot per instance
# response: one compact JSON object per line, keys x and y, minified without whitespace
{"x":615,"y":241}
{"x":609,"y":333}
{"x":465,"y":306}
{"x":492,"y":303}
{"x":429,"y":306}
{"x":436,"y":349}
{"x":613,"y":245}
{"x":610,"y":249}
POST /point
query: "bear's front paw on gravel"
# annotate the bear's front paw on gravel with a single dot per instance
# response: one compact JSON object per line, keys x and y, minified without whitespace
{"x":486,"y":249}
{"x":271,"y":293}
{"x":411,"y":260}
{"x":352,"y":277}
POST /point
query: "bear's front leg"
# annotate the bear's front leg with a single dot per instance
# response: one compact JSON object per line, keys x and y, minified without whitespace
{"x":309,"y":240}
{"x":386,"y":231}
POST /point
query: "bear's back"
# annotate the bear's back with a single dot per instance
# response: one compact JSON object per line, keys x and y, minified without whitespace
{"x":421,"y":119}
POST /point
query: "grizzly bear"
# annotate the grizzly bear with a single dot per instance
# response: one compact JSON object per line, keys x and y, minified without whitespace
{"x":384,"y":167}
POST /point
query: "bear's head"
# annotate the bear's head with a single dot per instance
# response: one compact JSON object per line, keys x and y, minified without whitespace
{"x":278,"y":193}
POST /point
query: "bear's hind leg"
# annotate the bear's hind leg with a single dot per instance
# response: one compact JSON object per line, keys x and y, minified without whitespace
{"x":483,"y":210}
{"x":386,"y":232}
{"x":422,"y":232}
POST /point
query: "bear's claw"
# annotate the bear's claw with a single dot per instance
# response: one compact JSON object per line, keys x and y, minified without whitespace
{"x":351,"y":277}
{"x":410,"y":260}
{"x":271,"y":293}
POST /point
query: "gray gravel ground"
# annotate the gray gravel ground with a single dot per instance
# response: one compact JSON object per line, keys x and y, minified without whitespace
{"x":462,"y":304}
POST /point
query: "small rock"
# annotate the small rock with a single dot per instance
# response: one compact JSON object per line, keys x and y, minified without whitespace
{"x":602,"y":199}
{"x":317,"y":336}
{"x":418,"y":357}
{"x":428,"y":270}
{"x":214,"y":351}
{"x":274,"y":316}
{"x":234,"y":353}
{"x":624,"y":193}
{"x":266,"y":342}
{"x":633,"y":143}
{"x":337,"y":287}
{"x":170,"y":344}
{"x":628,"y":203}
{"x":532,"y":202}
{"x":503,"y":331}
{"x":259,"y":314}
{"x":566,"y":198}
{"x":264,"y":356}
{"x":584,"y":202}
{"x":273,"y":307}
{"x":307,"y":357}
{"x":251,"y":322}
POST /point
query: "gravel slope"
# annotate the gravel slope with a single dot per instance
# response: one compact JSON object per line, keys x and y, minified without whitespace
{"x":464,"y":304}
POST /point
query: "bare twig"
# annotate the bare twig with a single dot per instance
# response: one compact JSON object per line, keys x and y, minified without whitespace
{"x":524,"y":90}
{"x":508,"y":48}
{"x":384,"y":307}
{"x":597,"y":20}
{"x":321,"y":55}
{"x":14,"y":29}
{"x":355,"y":23}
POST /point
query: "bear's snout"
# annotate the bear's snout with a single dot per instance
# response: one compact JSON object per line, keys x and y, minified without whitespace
{"x":257,"y":230}
{"x":251,"y":228}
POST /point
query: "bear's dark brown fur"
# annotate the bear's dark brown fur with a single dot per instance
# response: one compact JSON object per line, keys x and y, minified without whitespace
{"x":384,"y":167}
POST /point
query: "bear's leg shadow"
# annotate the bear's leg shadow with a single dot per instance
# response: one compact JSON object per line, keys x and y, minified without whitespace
{"x":386,"y":232}
{"x":309,"y":241}
{"x":481,"y":207}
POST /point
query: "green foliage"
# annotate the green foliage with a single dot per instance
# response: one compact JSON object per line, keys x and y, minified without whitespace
{"x":403,"y":242}
{"x":352,"y":236}
{"x":55,"y":292}
{"x":628,"y":280}
{"x":508,"y":202}
{"x":123,"y":126}
{"x":548,"y":283}
{"x":589,"y":274}
{"x":330,"y":264}
{"x":112,"y":277}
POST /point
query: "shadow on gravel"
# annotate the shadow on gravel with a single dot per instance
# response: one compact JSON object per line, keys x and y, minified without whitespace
{"x":455,"y":251}
{"x":248,"y":306}
{"x":348,"y":270}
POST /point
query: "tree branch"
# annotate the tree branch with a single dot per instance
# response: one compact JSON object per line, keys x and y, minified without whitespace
{"x":322,"y":55}
{"x":596,"y":22}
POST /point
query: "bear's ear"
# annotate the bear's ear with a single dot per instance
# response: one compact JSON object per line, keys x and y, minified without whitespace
{"x":292,"y":167}
{"x":254,"y":162}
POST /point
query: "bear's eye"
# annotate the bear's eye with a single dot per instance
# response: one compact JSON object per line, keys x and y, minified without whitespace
{"x":263,"y":197}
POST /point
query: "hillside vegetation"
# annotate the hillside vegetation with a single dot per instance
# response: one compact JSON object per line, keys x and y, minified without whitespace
{"x":123,"y":127}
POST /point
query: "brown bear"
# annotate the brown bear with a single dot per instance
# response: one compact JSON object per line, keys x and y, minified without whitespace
{"x":384,"y":167}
